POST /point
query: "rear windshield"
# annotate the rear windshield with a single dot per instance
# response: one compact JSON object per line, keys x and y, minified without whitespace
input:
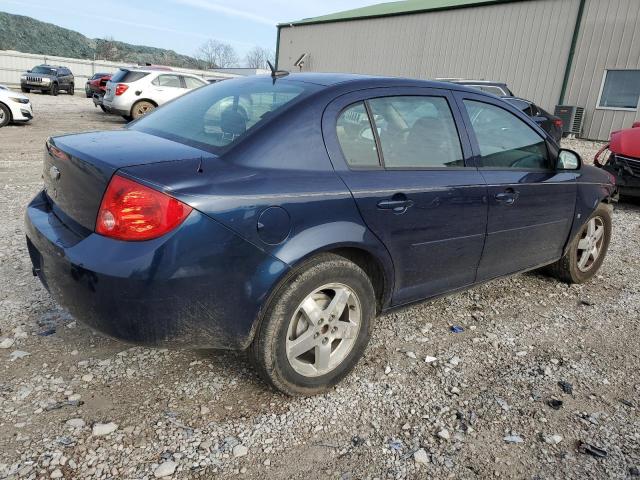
{"x":216,"y":116}
{"x":128,"y":76}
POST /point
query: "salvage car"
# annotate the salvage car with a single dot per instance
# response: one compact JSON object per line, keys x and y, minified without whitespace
{"x":48,"y":79}
{"x":97,"y":84}
{"x":134,"y":92}
{"x":548,"y":122}
{"x":621,"y":158}
{"x":282,"y":214}
{"x":14,"y":107}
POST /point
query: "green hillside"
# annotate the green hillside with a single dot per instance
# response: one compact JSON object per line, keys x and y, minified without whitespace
{"x":26,"y":34}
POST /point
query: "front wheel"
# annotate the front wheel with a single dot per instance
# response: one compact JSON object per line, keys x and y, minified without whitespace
{"x":5,"y":115}
{"x":316,"y":327}
{"x":25,"y":89}
{"x":71,"y":89}
{"x":587,"y":250}
{"x":54,"y":90}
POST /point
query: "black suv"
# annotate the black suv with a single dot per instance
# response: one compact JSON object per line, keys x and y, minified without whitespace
{"x":48,"y":79}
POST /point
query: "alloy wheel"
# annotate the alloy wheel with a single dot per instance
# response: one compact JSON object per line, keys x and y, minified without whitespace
{"x":141,"y":108}
{"x":590,"y":244}
{"x":2,"y":116}
{"x":323,"y":330}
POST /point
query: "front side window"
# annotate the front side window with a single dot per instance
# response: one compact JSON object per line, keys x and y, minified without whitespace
{"x":505,"y":141}
{"x":416,"y":132}
{"x":356,"y":137}
{"x":220,"y":115}
{"x":621,"y":89}
{"x":168,"y":81}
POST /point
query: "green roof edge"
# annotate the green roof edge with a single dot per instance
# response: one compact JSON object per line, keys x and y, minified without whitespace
{"x":333,"y":18}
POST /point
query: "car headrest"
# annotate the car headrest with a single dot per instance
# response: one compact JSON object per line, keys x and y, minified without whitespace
{"x":232,"y":122}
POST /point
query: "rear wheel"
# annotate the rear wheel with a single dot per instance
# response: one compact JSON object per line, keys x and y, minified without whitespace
{"x":5,"y":115}
{"x":54,"y":90}
{"x":587,"y":250}
{"x":25,"y":90}
{"x":71,"y":89}
{"x":316,"y":327}
{"x":103,"y":109}
{"x":141,"y":108}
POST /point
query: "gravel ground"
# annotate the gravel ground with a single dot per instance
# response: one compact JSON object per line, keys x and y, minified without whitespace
{"x":424,"y":402}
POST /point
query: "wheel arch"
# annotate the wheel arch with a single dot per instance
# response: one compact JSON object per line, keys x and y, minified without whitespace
{"x":10,"y":111}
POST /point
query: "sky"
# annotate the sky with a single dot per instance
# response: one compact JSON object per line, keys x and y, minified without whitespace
{"x":180,"y":25}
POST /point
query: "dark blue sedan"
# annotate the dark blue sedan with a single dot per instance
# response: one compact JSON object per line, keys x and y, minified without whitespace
{"x":281,"y":215}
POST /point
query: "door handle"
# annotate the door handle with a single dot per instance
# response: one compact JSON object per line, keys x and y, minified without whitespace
{"x":399,"y":203}
{"x":508,"y":197}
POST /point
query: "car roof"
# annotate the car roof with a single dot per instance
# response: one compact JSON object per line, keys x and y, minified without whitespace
{"x":464,"y":81}
{"x":368,"y":81}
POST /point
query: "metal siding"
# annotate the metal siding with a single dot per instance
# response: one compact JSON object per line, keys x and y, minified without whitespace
{"x":609,"y":39}
{"x":525,"y":44}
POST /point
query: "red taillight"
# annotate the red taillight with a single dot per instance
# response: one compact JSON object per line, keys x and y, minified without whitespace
{"x":121,"y":88}
{"x":131,"y":211}
{"x":557,"y":122}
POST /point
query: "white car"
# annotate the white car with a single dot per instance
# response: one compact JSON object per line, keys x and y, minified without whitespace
{"x":132,"y":92}
{"x":14,"y":107}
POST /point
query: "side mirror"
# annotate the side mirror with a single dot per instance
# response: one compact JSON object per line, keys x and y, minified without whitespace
{"x":568,"y":160}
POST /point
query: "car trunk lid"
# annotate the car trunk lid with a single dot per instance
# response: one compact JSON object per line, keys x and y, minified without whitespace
{"x":77,"y":168}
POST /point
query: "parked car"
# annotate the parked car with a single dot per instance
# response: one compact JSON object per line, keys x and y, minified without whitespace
{"x":48,"y":79}
{"x":621,"y":158}
{"x":548,"y":122}
{"x":497,"y":88}
{"x":281,"y":215}
{"x":133,"y":92}
{"x":97,"y":84}
{"x":14,"y":107}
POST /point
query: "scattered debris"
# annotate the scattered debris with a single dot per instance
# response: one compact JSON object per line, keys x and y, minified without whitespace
{"x":592,"y":450}
{"x":66,"y":403}
{"x":513,"y":439}
{"x":240,"y":451}
{"x":553,"y":439}
{"x":566,"y":387}
{"x":555,"y":403}
{"x":421,"y":457}
{"x":17,"y":354}
{"x":430,"y":359}
{"x":165,"y":469}
{"x":456,"y":329}
{"x":102,"y":429}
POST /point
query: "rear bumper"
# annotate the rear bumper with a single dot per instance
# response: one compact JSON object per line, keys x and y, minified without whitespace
{"x":199,"y":286}
{"x":116,"y":107}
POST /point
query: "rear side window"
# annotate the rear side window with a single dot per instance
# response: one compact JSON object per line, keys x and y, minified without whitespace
{"x":416,"y":132}
{"x":192,"y":82}
{"x":168,"y":81}
{"x":128,"y":76}
{"x":356,"y":137}
{"x":505,"y":141}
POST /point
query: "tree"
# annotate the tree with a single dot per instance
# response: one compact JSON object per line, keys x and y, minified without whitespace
{"x":257,"y":57}
{"x":216,"y":54}
{"x":107,"y":49}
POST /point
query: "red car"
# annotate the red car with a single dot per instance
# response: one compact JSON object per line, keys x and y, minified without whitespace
{"x":97,"y":84}
{"x":621,"y":158}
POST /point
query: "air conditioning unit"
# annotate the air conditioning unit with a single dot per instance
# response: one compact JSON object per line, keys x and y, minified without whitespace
{"x":571,"y":117}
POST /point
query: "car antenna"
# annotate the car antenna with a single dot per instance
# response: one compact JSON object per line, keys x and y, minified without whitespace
{"x":276,"y":73}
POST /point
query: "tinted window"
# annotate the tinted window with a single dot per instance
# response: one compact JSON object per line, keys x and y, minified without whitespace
{"x":168,"y":81}
{"x":192,"y":82}
{"x":621,"y":89}
{"x":416,"y":132}
{"x":127,"y":76}
{"x":505,"y":141}
{"x":219,"y":115}
{"x":356,"y":137}
{"x":526,"y":107}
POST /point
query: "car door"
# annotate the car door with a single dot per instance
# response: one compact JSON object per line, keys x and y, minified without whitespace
{"x":401,"y":154}
{"x":166,"y":87}
{"x":531,"y":204}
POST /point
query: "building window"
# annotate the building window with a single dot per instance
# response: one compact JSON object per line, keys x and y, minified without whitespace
{"x":620,"y":90}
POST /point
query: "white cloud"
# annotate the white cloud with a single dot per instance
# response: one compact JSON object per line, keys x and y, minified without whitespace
{"x":230,"y":11}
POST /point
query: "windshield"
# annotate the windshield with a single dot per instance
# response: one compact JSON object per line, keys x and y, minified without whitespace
{"x":44,"y":70}
{"x":216,"y":116}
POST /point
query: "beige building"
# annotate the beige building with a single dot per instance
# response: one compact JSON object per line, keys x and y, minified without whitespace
{"x":573,"y":52}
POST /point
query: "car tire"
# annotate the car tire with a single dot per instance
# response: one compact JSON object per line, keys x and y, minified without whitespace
{"x":128,"y":118}
{"x":587,"y":249}
{"x":316,"y":326}
{"x":5,"y":115}
{"x":103,"y":109}
{"x":71,"y":89}
{"x":54,"y":90}
{"x":25,"y":90}
{"x":140,"y":108}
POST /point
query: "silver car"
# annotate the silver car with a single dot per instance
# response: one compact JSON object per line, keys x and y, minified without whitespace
{"x":132,"y":92}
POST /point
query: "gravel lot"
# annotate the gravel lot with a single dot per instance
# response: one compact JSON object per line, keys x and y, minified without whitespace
{"x":74,"y":404}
